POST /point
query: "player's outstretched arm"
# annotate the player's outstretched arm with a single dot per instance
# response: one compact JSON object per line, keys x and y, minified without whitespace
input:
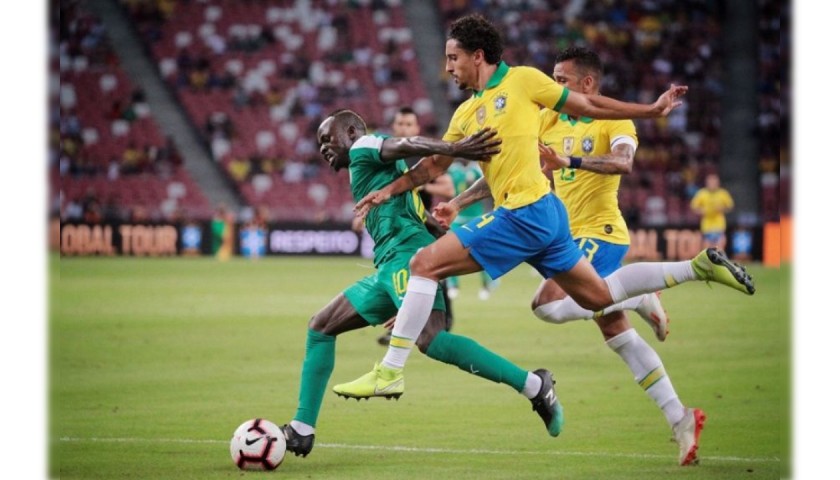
{"x":478,"y":146}
{"x":618,"y":162}
{"x":601,"y":107}
{"x":425,"y":170}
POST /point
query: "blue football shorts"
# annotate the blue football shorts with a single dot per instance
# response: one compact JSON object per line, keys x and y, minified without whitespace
{"x":537,"y":234}
{"x":606,"y":257}
{"x":712,"y":237}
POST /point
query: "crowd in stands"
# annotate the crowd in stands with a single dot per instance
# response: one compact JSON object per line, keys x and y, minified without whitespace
{"x":774,"y":108}
{"x":108,"y":160}
{"x":256,"y":77}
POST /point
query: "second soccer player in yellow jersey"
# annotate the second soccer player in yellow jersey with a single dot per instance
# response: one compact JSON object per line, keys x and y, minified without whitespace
{"x":587,"y":158}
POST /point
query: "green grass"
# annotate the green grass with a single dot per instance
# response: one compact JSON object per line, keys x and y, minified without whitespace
{"x":154,"y":363}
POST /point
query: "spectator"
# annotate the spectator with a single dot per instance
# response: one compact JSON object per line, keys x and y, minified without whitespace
{"x":712,"y":203}
{"x":132,"y":159}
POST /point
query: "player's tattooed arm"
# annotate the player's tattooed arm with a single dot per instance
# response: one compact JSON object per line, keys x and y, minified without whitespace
{"x":446,"y":212}
{"x":477,"y":191}
{"x":617,"y":162}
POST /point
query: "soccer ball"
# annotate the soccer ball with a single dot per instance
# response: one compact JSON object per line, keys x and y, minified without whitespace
{"x":258,"y":444}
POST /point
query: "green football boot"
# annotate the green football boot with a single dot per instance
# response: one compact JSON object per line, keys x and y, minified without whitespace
{"x":712,"y":265}
{"x":381,"y":382}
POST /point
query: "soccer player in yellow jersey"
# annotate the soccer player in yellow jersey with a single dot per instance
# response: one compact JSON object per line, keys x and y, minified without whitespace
{"x":587,"y":158}
{"x":712,"y":203}
{"x":529,"y":223}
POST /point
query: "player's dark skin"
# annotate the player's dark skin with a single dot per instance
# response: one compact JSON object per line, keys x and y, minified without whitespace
{"x":339,"y":316}
{"x":334,"y":142}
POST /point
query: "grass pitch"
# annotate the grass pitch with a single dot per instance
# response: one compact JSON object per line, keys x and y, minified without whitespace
{"x":154,"y":362}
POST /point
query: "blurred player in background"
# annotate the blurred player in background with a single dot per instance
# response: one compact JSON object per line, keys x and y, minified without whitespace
{"x":712,"y":203}
{"x":398,"y":232}
{"x":461,"y":176}
{"x":529,"y":223}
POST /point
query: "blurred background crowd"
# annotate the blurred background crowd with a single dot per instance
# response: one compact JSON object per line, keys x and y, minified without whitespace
{"x":161,"y":110}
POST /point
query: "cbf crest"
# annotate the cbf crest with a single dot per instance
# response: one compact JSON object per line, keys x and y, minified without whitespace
{"x":587,"y":144}
{"x":481,"y":115}
{"x":500,"y":102}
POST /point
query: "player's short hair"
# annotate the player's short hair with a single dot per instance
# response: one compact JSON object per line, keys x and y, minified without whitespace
{"x":584,"y":58}
{"x":348,"y":118}
{"x":474,"y":32}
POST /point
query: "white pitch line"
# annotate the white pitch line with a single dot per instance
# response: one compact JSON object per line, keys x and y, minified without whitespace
{"x":448,"y":451}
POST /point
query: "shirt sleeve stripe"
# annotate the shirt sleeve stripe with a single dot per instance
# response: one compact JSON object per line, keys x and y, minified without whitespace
{"x":623,"y":140}
{"x":562,"y":100}
{"x":368,"y":141}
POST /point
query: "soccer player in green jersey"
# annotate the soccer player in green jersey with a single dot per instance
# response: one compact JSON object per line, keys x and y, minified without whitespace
{"x":529,"y":223}
{"x":398,"y":232}
{"x":406,"y":124}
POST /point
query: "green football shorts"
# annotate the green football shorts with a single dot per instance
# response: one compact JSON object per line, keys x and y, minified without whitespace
{"x":377,"y":297}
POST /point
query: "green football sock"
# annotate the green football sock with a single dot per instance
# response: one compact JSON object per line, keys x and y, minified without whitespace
{"x":468,"y":355}
{"x":318,"y":365}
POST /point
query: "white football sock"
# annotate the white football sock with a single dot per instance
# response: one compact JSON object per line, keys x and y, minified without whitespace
{"x":567,"y":310}
{"x":648,"y":277}
{"x":648,"y":372}
{"x":411,"y":318}
{"x":302,"y":428}
{"x":626,"y":286}
{"x":532,"y":385}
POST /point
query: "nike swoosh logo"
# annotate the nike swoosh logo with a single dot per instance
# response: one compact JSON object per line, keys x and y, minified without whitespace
{"x":252,"y":441}
{"x":377,"y":390}
{"x":473,"y":371}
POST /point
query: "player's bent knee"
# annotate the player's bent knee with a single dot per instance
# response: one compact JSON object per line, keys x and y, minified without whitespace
{"x":536,"y":303}
{"x":319,"y":323}
{"x":552,"y":313}
{"x":419,"y":265}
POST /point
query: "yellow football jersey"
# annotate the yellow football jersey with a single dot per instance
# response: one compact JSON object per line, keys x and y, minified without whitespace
{"x":511,"y":104}
{"x":713,"y":203}
{"x":590,"y":198}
